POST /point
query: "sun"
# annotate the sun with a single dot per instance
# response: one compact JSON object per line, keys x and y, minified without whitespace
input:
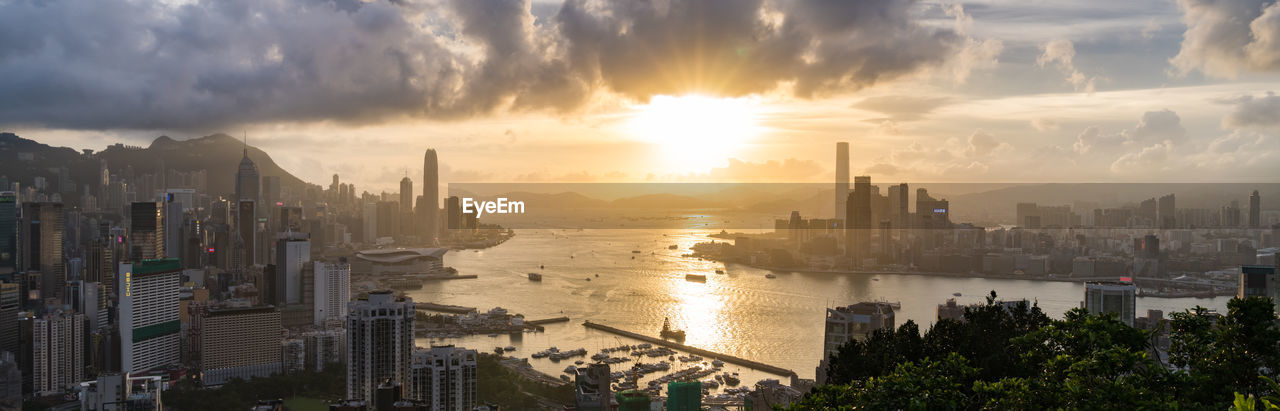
{"x":695,"y":132}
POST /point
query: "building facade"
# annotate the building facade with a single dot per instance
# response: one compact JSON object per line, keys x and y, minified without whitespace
{"x":150,"y":329}
{"x":1111,"y":297}
{"x":240,"y":343}
{"x":379,"y":342}
{"x":444,"y":378}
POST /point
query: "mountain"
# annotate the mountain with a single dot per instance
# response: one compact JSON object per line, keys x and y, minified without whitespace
{"x":22,"y":160}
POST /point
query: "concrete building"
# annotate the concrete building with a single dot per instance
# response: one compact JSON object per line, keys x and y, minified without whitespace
{"x":591,"y":388}
{"x":851,"y":322}
{"x":379,"y":342}
{"x":332,"y":290}
{"x":120,"y":392}
{"x":293,"y":252}
{"x":842,"y":178}
{"x":148,"y":314}
{"x":57,"y":342}
{"x":1111,"y":297}
{"x":444,"y":378}
{"x":240,"y":343}
{"x":10,"y":381}
{"x":1258,"y":281}
{"x":324,"y":347}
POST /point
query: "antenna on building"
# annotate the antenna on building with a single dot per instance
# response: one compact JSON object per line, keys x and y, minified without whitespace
{"x":246,"y":143}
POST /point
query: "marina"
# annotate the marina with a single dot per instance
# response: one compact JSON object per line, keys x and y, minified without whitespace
{"x":694,"y":350}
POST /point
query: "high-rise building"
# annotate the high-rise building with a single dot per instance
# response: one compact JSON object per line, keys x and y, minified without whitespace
{"x":148,"y":314}
{"x":10,"y":382}
{"x":444,"y":378}
{"x":42,"y":230}
{"x":57,"y":340}
{"x":8,"y":232}
{"x":858,"y":220}
{"x":848,"y":323}
{"x":146,"y":239}
{"x":1258,"y":281}
{"x":10,"y":304}
{"x":406,"y":203}
{"x":379,"y":342}
{"x":900,"y":205}
{"x":1117,"y":297}
{"x":388,"y":219}
{"x":332,"y":290}
{"x":247,"y":231}
{"x":684,"y":395}
{"x":370,"y":231}
{"x":248,"y":185}
{"x":591,"y":389}
{"x":430,"y":195}
{"x":842,"y":178}
{"x":240,"y":343}
{"x":293,"y":252}
{"x":324,"y":347}
{"x":119,"y":392}
{"x":1255,"y":210}
{"x":172,"y":218}
{"x":453,"y":213}
{"x":1167,"y":212}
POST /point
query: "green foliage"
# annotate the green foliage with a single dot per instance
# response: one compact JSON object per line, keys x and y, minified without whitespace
{"x":330,"y":384}
{"x":509,"y":390}
{"x":1018,"y":358}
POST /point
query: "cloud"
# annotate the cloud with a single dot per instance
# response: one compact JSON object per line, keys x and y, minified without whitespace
{"x":902,"y":108}
{"x":1254,"y":112}
{"x":208,"y":64}
{"x":790,"y":169}
{"x":1045,"y":124}
{"x":1148,"y":159}
{"x":1154,"y":127}
{"x":1225,"y":37}
{"x":982,"y":144}
{"x":1062,"y":53}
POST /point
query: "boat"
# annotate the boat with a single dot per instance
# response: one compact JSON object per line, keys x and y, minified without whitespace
{"x":956,"y":294}
{"x":542,"y":267}
{"x":717,"y":363}
{"x":588,"y":278}
{"x":672,"y":247}
{"x":578,"y":362}
{"x":770,"y":275}
{"x":535,"y":277}
{"x":671,"y":333}
{"x":497,"y":350}
{"x":635,"y":251}
{"x":719,"y":271}
{"x":696,"y":278}
{"x":597,"y":275}
{"x":509,"y":348}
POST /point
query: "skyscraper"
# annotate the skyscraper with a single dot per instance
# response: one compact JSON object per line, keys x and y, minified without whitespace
{"x":8,"y":231}
{"x":9,"y":306}
{"x":57,"y":341}
{"x":1167,"y":212}
{"x":293,"y":251}
{"x":444,"y":377}
{"x":379,"y":342}
{"x":333,"y":290}
{"x":406,"y":204}
{"x":248,"y":185}
{"x":1111,"y":297}
{"x":148,"y":314}
{"x":146,"y":239}
{"x":41,"y":239}
{"x":247,"y":230}
{"x":858,"y":220}
{"x":842,"y":178}
{"x":430,"y":195}
{"x":1255,"y":210}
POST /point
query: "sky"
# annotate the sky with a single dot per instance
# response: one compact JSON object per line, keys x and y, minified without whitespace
{"x":665,"y":90}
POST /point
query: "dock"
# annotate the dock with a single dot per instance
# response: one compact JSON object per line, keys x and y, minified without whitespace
{"x":445,"y":308}
{"x":755,"y":365}
{"x":547,"y":321}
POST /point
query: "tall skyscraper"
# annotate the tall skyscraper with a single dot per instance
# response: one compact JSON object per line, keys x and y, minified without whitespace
{"x":379,"y":342}
{"x":430,"y":195}
{"x":293,"y":251}
{"x":9,"y":306}
{"x":148,"y":314}
{"x":406,"y":196}
{"x":146,"y":237}
{"x":1255,"y":210}
{"x":444,"y":378}
{"x":41,"y":250}
{"x":858,"y":220}
{"x":57,"y":340}
{"x":1167,"y":212}
{"x":247,"y":230}
{"x":8,"y":232}
{"x":248,"y":185}
{"x":240,"y":343}
{"x":842,"y":178}
{"x":333,"y":290}
{"x":171,"y":222}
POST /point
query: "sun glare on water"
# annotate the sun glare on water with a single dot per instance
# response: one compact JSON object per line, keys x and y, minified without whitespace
{"x":695,"y":132}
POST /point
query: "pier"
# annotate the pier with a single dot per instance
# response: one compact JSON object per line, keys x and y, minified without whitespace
{"x":547,"y":321}
{"x":755,"y":365}
{"x":445,"y":308}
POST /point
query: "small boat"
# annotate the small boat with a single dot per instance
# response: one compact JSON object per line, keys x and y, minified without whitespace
{"x":497,"y":350}
{"x":633,"y":257}
{"x":588,"y":278}
{"x":956,"y":294}
{"x":719,"y":271}
{"x":509,"y":348}
{"x":717,"y":363}
{"x":671,"y":333}
{"x":695,"y":278}
{"x":635,"y":251}
{"x":535,"y":277}
{"x":597,"y":275}
{"x":770,"y":275}
{"x":542,"y":267}
{"x":672,"y":247}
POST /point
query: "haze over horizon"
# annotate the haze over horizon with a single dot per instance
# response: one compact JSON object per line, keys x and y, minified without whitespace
{"x":986,"y":91}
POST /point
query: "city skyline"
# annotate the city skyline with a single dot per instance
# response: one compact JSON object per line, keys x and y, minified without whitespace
{"x":1145,"y":92}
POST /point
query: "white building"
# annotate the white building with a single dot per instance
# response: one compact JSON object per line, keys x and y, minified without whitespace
{"x":148,"y":307}
{"x":399,"y":260}
{"x":324,"y":347}
{"x":1111,"y":297}
{"x":332,"y":291}
{"x":379,"y":342}
{"x":57,"y":342}
{"x":240,"y":343}
{"x":444,"y":377}
{"x":118,"y":392}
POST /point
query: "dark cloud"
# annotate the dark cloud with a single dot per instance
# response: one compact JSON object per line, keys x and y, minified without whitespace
{"x":1225,"y":37}
{"x":215,"y":63}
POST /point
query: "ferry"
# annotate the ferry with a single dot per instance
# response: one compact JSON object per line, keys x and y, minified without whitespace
{"x":770,"y":275}
{"x":509,"y":348}
{"x":535,"y":277}
{"x":695,"y":278}
{"x":672,"y":247}
{"x":956,"y":294}
{"x":635,"y":251}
